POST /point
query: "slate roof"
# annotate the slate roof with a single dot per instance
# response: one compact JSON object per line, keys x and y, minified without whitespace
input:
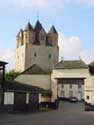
{"x":21,"y":31}
{"x":71,"y":64}
{"x":19,"y":87}
{"x":38,"y":27}
{"x":29,"y":27}
{"x":53,"y":30}
{"x":34,"y":69}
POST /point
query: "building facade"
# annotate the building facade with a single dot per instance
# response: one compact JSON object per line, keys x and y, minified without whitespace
{"x":35,"y":46}
{"x":69,"y":79}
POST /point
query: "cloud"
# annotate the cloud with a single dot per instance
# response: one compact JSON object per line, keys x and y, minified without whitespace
{"x":33,"y":3}
{"x":71,"y":48}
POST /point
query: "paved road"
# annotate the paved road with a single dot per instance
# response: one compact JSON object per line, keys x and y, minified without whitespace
{"x":67,"y":114}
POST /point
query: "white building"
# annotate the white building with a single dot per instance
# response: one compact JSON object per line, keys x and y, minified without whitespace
{"x":69,"y":77}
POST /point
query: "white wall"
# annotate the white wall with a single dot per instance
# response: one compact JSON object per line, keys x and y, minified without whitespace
{"x":66,"y":73}
{"x":42,"y":81}
{"x":67,"y":89}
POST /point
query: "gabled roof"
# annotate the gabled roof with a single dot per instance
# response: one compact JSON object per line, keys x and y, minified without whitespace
{"x":53,"y":30}
{"x":34,"y":70}
{"x":29,"y":27}
{"x":21,"y":31}
{"x":38,"y":27}
{"x":71,"y":64}
{"x":91,"y":68}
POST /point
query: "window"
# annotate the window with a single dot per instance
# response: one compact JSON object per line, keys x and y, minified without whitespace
{"x":79,"y":86}
{"x":87,"y":97}
{"x":62,"y":94}
{"x":35,"y":54}
{"x":49,"y":56}
{"x":70,"y":86}
{"x":62,"y":85}
{"x":70,"y":93}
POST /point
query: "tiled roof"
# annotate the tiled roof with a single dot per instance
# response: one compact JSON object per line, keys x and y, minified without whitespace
{"x":53,"y":30}
{"x":71,"y":64}
{"x":28,"y":27}
{"x":35,"y":70}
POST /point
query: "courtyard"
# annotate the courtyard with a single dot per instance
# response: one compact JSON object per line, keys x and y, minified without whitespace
{"x":67,"y":114}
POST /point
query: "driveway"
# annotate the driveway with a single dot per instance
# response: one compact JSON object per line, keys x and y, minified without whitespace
{"x":67,"y":114}
{"x":65,"y":106}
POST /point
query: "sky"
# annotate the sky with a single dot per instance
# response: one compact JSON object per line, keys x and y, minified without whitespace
{"x":73,"y":19}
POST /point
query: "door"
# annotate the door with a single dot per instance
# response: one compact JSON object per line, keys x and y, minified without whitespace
{"x":79,"y":96}
{"x":33,"y":101}
{"x":19,"y":101}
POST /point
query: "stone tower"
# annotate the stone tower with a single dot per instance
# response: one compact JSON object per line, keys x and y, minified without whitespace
{"x":35,"y":46}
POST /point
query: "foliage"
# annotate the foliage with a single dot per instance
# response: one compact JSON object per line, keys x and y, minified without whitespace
{"x":11,"y":75}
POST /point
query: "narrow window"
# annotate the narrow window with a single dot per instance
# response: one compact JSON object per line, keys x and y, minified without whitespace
{"x":70,"y":86}
{"x":62,"y":86}
{"x":70,"y":93}
{"x":87,"y":97}
{"x":35,"y":54}
{"x":79,"y":86}
{"x":49,"y":56}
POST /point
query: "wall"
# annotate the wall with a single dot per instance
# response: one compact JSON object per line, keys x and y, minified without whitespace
{"x":66,"y":73}
{"x":89,"y":89}
{"x":67,"y":89}
{"x":28,"y":54}
{"x":42,"y":81}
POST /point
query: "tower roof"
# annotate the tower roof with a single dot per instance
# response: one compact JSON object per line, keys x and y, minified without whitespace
{"x":38,"y":27}
{"x":21,"y":31}
{"x":28,"y":27}
{"x":53,"y":30}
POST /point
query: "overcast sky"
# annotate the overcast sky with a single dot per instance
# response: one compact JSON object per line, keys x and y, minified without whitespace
{"x":73,"y":19}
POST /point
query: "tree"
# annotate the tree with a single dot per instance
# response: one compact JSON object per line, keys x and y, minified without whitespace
{"x":11,"y":75}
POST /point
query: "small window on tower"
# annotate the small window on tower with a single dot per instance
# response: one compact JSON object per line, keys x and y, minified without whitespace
{"x":35,"y":54}
{"x":49,"y":56}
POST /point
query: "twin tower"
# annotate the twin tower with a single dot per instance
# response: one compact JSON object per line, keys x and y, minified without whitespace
{"x":35,"y":46}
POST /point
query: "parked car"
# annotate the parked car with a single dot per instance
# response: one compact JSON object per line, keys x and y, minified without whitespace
{"x":89,"y":107}
{"x":73,"y":99}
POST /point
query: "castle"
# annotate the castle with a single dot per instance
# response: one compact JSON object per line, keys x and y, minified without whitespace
{"x":35,"y":46}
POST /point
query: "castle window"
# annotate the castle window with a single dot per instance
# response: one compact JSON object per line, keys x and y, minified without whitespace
{"x":79,"y":86}
{"x":62,"y":85}
{"x":70,"y":86}
{"x":35,"y":54}
{"x":49,"y":56}
{"x":87,"y":97}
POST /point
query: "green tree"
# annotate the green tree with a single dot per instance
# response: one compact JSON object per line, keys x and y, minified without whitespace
{"x":11,"y":75}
